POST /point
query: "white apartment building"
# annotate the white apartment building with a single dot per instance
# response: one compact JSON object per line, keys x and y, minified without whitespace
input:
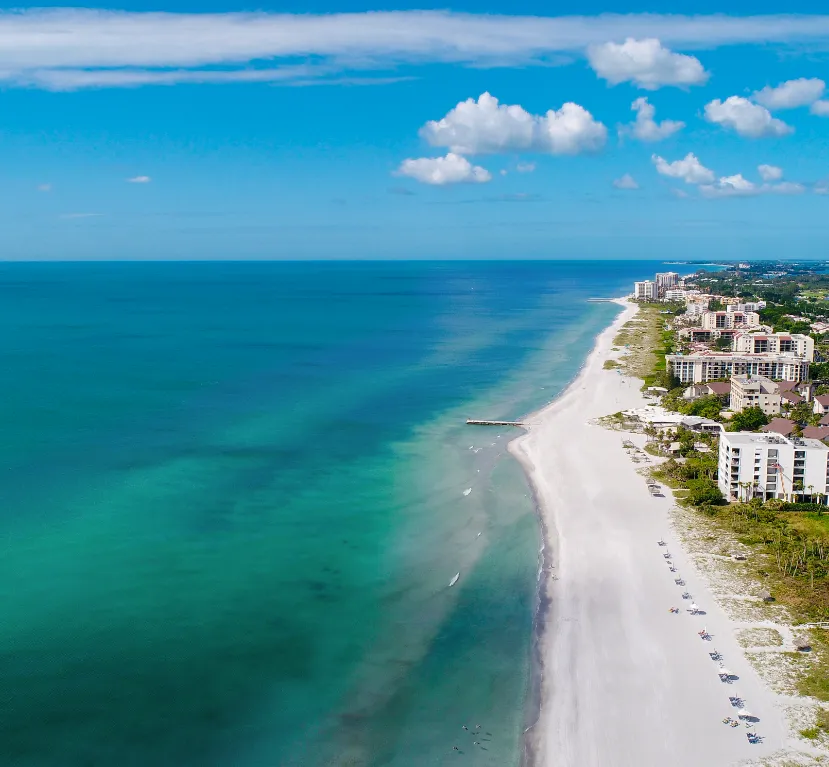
{"x":775,"y":343}
{"x":645,"y":290}
{"x":726,"y":320}
{"x":711,"y":366}
{"x":754,"y":306}
{"x":754,"y":391}
{"x":676,"y":294}
{"x":771,"y":466}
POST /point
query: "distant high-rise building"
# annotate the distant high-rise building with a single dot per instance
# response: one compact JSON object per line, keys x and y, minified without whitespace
{"x":665,"y":281}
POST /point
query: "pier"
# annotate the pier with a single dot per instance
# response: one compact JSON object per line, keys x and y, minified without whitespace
{"x":476,"y":422}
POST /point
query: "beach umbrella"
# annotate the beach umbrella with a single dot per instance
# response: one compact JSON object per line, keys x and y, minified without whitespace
{"x":723,"y":671}
{"x":744,"y":713}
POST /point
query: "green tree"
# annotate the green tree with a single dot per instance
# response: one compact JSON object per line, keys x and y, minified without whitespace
{"x":749,"y":419}
{"x":723,"y":343}
{"x":708,"y":406}
{"x":801,"y":413}
{"x":704,"y":492}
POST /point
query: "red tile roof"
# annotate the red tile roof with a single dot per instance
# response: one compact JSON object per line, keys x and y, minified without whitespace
{"x":781,"y":426}
{"x":816,"y":432}
{"x":720,"y":387}
{"x":823,"y":399}
{"x":790,"y":396}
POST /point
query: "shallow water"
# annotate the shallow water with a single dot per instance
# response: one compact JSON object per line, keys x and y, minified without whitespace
{"x":232,"y":502}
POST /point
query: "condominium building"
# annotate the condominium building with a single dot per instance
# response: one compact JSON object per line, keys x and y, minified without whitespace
{"x":720,"y":320}
{"x":755,"y":391}
{"x":751,"y":306}
{"x":775,"y":343}
{"x":675,"y":294}
{"x":666,"y":280}
{"x":711,"y":366}
{"x":645,"y":291}
{"x":772,"y":466}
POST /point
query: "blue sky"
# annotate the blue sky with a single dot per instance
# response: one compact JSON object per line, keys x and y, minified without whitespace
{"x":304,"y":131}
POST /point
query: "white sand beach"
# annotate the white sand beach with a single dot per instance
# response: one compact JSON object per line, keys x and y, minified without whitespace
{"x":625,"y":681}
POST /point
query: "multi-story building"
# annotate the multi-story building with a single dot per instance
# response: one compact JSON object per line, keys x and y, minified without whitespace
{"x":711,"y":366}
{"x":755,"y":391}
{"x":675,"y":294}
{"x":751,"y":306}
{"x":775,"y":343}
{"x":665,"y":281}
{"x":645,"y":291}
{"x":722,"y":320}
{"x":772,"y":466}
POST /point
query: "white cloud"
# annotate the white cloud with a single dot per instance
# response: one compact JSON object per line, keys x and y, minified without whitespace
{"x":80,"y":215}
{"x":439,"y":171}
{"x":525,"y":167}
{"x":746,"y":118}
{"x":626,"y":182}
{"x":738,"y":186}
{"x":770,"y":172}
{"x":487,"y":127}
{"x":791,"y":94}
{"x":66,"y":48}
{"x":822,"y":187}
{"x":44,"y":187}
{"x":646,"y":63}
{"x":645,"y":128}
{"x":139,"y":180}
{"x":688,"y":169}
{"x":820,"y":108}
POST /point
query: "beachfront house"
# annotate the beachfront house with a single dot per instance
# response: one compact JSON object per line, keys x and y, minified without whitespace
{"x":705,"y":366}
{"x":772,"y":466}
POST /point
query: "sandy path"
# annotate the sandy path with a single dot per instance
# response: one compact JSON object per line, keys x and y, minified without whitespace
{"x":624,"y":681}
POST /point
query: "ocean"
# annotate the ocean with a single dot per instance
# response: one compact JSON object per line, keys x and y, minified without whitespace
{"x":234,"y":496}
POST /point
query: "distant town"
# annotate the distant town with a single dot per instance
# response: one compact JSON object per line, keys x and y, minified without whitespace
{"x":745,"y":360}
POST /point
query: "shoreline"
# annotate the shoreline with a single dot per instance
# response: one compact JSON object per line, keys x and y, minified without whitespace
{"x":545,"y":605}
{"x":617,"y":679}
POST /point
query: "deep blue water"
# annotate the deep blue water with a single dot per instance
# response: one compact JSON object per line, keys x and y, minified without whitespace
{"x":232,"y":501}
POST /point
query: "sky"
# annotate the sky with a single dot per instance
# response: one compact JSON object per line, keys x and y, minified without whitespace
{"x":326,"y":130}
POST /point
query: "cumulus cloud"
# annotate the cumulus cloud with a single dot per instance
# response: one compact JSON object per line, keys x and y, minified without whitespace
{"x":139,"y":180}
{"x":738,"y":186}
{"x":770,"y":172}
{"x":440,"y":171}
{"x":646,"y":63}
{"x":791,"y":94}
{"x":626,"y":182}
{"x":525,"y":167}
{"x":820,"y":108}
{"x":689,"y":169}
{"x":645,"y":128}
{"x":487,"y":127}
{"x":746,"y":118}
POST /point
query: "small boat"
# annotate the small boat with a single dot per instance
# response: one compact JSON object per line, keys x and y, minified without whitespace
{"x":467,"y":491}
{"x":455,"y":579}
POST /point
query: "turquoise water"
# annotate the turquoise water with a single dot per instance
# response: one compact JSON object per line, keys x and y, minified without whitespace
{"x":232,"y":501}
